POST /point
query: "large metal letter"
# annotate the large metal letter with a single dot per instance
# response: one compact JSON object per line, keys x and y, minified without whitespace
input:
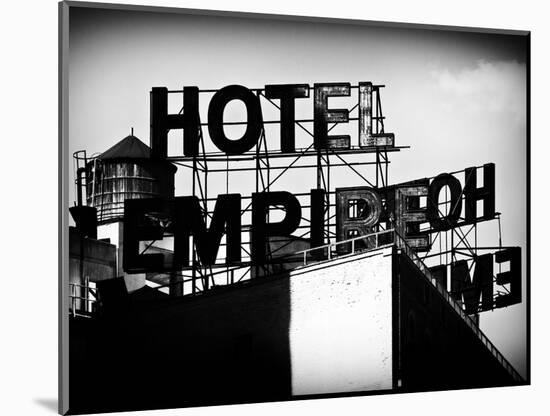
{"x":215,"y":119}
{"x":409,"y":216}
{"x":322,"y":115}
{"x":188,"y":220}
{"x":449,"y":221}
{"x":486,"y":194}
{"x":138,"y":227}
{"x":511,"y":277}
{"x":262,"y":230}
{"x":287,"y":93}
{"x":162,"y":122}
{"x":357,"y":212}
{"x":366,"y":136}
{"x":480,"y":285}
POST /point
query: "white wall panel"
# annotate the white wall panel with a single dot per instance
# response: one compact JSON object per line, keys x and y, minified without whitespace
{"x":341,"y":325}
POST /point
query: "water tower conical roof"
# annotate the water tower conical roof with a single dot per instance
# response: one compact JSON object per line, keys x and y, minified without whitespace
{"x":128,"y":148}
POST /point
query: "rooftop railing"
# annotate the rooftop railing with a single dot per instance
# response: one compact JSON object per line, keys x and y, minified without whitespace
{"x":387,"y":238}
{"x":457,"y":308}
{"x":348,"y":247}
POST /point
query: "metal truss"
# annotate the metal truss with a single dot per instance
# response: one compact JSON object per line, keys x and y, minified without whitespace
{"x":269,"y":166}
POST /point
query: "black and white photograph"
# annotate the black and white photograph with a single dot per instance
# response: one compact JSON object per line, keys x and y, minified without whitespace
{"x":239,"y":208}
{"x":269,"y":208}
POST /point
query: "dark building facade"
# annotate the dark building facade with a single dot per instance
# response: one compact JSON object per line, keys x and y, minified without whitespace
{"x":367,"y":323}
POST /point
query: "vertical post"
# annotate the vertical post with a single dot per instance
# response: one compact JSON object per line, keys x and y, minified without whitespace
{"x":327,"y":193}
{"x":81,"y":265}
{"x":73,"y":296}
{"x":377,"y":165}
{"x":452,"y":244}
{"x":227,"y":191}
{"x":376,"y":111}
{"x":386,"y":181}
{"x":193,"y":268}
{"x":257,"y":171}
{"x":176,"y":288}
{"x":193,"y":190}
{"x":205,"y":279}
{"x":86,"y":299}
{"x":319,"y":170}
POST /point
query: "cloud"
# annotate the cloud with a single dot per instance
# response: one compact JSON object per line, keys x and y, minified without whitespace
{"x":495,"y":87}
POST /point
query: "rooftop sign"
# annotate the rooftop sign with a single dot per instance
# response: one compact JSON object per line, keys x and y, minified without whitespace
{"x":412,"y":209}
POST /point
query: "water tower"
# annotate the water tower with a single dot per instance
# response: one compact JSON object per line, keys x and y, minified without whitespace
{"x":125,"y":171}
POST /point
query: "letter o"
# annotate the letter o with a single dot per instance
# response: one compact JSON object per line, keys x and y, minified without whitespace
{"x":444,"y":223}
{"x":215,"y":119}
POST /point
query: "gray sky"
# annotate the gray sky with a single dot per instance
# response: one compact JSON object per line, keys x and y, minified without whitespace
{"x":457,"y":99}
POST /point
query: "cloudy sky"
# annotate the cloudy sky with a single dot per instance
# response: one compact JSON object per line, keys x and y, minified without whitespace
{"x":457,"y":99}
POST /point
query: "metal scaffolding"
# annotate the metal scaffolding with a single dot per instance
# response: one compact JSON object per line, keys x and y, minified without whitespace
{"x":270,"y":166}
{"x":366,"y":163}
